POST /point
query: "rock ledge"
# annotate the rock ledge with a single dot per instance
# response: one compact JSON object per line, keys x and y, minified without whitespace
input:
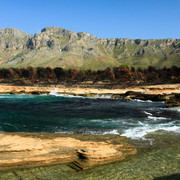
{"x":28,"y":151}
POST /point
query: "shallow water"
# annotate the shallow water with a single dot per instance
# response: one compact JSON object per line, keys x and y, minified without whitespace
{"x":161,"y":160}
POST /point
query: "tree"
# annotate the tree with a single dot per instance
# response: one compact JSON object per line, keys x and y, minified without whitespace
{"x":25,"y":73}
{"x":41,"y":73}
{"x":32,"y":72}
{"x":109,"y":74}
{"x":122,"y":73}
{"x":151,"y":69}
{"x":50,"y":73}
{"x":59,"y":73}
{"x":72,"y":74}
{"x":80,"y":76}
{"x":7,"y":73}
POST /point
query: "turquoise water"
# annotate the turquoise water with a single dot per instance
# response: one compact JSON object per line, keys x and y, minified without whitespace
{"x":60,"y":114}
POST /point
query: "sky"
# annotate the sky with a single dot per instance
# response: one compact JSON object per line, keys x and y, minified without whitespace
{"x":136,"y":19}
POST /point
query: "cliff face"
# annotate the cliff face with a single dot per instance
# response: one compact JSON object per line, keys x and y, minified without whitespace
{"x":60,"y":47}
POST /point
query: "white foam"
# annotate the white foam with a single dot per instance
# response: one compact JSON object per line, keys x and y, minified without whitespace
{"x":141,"y":123}
{"x":53,"y":92}
{"x":96,"y":120}
{"x":140,"y":132}
{"x":104,"y":96}
{"x":177,"y":109}
{"x":97,"y":96}
{"x":139,"y":100}
{"x":150,"y":116}
{"x":149,"y":101}
{"x":147,"y":113}
{"x":66,"y":95}
{"x":64,"y":132}
{"x":114,"y":131}
{"x":174,"y":109}
{"x":43,"y":95}
{"x":156,"y":118}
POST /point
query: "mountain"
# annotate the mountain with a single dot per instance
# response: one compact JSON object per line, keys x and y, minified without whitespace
{"x":60,"y":47}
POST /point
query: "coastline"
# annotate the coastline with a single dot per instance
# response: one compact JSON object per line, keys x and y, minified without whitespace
{"x":90,"y":148}
{"x":169,"y":93}
{"x":148,"y":89}
{"x":145,"y":160}
{"x":82,"y":152}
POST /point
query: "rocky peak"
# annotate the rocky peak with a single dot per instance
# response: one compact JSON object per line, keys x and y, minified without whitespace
{"x":60,"y":32}
{"x":83,"y":50}
{"x":11,"y":38}
{"x":51,"y":29}
{"x":13,"y":32}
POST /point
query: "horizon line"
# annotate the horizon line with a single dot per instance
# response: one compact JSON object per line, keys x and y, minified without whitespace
{"x":92,"y":34}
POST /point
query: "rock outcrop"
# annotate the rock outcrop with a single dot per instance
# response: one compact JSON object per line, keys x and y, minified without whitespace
{"x":174,"y":101}
{"x":25,"y":150}
{"x":167,"y":93}
{"x":60,"y":47}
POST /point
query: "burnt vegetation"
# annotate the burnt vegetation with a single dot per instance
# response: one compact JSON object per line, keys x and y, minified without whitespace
{"x":118,"y":75}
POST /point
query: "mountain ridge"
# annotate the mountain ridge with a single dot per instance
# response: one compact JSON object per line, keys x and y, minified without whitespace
{"x":56,"y":46}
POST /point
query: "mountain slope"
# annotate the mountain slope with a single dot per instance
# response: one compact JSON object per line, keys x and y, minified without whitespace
{"x":60,"y":47}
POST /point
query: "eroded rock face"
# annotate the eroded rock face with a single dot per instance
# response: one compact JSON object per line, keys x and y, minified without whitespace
{"x":69,"y":49}
{"x":174,"y":101}
{"x":12,"y":39}
{"x":18,"y":150}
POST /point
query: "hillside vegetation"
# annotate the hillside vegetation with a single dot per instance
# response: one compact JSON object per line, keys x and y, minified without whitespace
{"x":121,"y":75}
{"x":57,"y":47}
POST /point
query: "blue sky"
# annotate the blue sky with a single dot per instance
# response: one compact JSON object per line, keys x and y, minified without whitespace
{"x":145,"y":19}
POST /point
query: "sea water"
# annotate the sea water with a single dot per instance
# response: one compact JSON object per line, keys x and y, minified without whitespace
{"x":101,"y":115}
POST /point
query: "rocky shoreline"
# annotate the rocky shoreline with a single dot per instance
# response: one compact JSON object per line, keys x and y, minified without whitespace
{"x":170,"y":93}
{"x":80,"y":152}
{"x":136,"y":159}
{"x":20,"y":150}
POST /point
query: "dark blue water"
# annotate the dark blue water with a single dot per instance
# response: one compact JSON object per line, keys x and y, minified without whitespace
{"x":134,"y":118}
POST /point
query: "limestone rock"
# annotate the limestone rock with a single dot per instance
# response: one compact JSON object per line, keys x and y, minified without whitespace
{"x":146,"y":96}
{"x":29,"y":150}
{"x":56,"y":46}
{"x":173,"y":101}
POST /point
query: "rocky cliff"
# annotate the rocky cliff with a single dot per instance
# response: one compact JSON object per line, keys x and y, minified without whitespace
{"x":60,"y":47}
